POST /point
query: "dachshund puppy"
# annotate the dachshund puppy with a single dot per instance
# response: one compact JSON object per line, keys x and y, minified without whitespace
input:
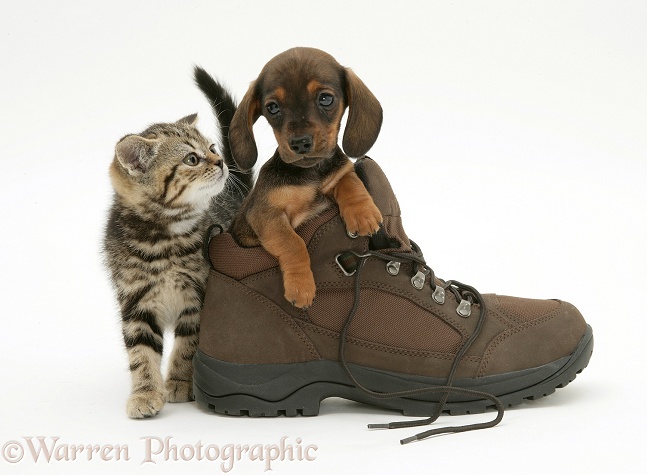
{"x":303,"y":93}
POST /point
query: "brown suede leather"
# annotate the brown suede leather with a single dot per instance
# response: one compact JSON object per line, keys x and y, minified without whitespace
{"x":245,"y":327}
{"x":541,"y":340}
{"x":246,"y":319}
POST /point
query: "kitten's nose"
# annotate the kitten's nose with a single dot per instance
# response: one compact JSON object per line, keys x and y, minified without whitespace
{"x":220,"y":163}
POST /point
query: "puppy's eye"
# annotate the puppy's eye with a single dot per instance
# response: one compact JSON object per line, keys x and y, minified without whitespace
{"x":213,"y":149}
{"x":191,"y":159}
{"x":273,"y":108}
{"x":326,"y":99}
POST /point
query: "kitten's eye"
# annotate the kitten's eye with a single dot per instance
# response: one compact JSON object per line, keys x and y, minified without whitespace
{"x":326,"y":99}
{"x":273,"y":108}
{"x":191,"y":159}
{"x":212,"y":149}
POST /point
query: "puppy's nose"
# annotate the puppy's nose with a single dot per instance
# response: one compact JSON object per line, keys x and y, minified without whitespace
{"x":301,"y":145}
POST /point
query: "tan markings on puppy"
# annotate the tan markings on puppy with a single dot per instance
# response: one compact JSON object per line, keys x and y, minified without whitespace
{"x":295,"y":201}
{"x":291,"y":252}
{"x":313,"y":86}
{"x":356,"y":206}
{"x":330,"y":182}
{"x":279,"y":94}
{"x":276,"y":234}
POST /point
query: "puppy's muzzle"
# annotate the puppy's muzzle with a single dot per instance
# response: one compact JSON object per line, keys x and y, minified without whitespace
{"x":301,"y":145}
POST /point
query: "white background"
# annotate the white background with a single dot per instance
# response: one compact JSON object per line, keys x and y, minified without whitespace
{"x":515,"y":136}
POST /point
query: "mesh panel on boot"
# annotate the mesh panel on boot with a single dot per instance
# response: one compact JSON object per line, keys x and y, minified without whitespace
{"x":525,"y":310}
{"x":384,"y":318}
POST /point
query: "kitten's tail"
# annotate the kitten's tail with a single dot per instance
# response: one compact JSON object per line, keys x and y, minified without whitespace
{"x":224,"y":106}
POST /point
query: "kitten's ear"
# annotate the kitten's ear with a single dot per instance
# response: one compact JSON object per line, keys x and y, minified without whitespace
{"x":189,"y":119}
{"x":135,"y":154}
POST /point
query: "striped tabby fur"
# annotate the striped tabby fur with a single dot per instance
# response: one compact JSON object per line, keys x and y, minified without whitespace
{"x":165,"y":181}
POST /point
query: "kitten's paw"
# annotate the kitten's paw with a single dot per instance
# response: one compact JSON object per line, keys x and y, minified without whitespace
{"x":178,"y":390}
{"x":300,"y":289}
{"x":362,"y":219}
{"x":144,"y":404}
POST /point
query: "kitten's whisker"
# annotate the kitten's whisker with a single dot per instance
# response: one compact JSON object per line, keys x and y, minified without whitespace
{"x":233,"y":167}
{"x":237,"y":181}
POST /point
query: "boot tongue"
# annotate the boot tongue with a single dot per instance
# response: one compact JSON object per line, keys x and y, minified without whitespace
{"x":391,"y":235}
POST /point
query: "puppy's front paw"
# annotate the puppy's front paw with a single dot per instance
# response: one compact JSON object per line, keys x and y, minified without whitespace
{"x":178,"y":391}
{"x":300,"y":288}
{"x":363,"y":218}
{"x":144,"y":404}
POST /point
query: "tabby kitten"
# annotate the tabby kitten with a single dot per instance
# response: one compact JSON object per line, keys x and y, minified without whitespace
{"x":165,"y":180}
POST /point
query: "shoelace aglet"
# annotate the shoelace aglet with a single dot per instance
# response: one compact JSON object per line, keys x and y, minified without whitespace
{"x":379,"y":426}
{"x":413,"y":438}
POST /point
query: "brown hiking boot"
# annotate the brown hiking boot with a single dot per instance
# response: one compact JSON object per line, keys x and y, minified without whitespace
{"x":382,"y":330}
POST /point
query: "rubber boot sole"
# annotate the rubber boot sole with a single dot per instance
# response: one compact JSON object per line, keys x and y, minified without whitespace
{"x":267,"y":390}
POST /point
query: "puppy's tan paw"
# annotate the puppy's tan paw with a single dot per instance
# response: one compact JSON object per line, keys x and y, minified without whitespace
{"x":363,"y":219}
{"x":144,"y":404}
{"x":300,"y":289}
{"x":178,"y":391}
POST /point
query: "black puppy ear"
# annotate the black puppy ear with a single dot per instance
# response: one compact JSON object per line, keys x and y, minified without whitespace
{"x":135,"y":154}
{"x":241,"y":134}
{"x":364,"y":117}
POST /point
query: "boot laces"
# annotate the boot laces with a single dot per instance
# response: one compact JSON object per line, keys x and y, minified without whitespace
{"x":466,"y":296}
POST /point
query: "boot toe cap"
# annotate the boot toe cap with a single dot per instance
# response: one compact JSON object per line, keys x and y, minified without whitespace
{"x":544,"y":331}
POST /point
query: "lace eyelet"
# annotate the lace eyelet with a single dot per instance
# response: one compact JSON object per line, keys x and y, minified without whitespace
{"x":352,"y":235}
{"x":346,"y":264}
{"x":464,"y":308}
{"x":418,"y":280}
{"x":439,"y":295}
{"x":393,"y":267}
